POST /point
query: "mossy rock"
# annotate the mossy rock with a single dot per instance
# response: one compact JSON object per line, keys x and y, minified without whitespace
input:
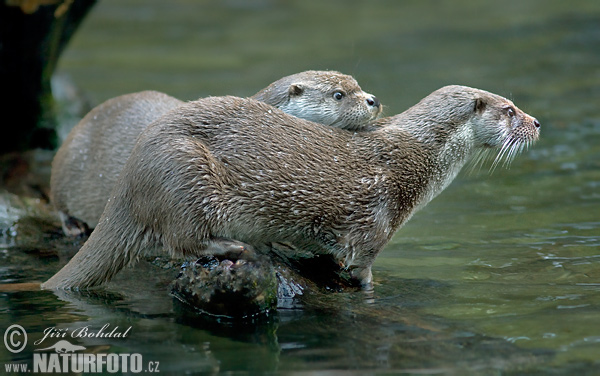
{"x":237,"y":289}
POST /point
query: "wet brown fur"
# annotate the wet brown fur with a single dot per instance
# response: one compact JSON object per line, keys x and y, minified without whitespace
{"x":203,"y":173}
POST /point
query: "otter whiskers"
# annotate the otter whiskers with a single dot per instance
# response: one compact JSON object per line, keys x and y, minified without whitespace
{"x":509,"y":150}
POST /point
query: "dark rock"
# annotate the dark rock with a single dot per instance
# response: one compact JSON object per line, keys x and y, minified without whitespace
{"x":238,"y":289}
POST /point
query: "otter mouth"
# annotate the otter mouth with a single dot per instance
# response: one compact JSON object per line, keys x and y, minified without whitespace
{"x":519,"y":139}
{"x":511,"y":147}
{"x":377,"y":112}
{"x":514,"y":144}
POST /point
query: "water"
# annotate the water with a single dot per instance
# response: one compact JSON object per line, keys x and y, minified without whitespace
{"x":501,"y":272}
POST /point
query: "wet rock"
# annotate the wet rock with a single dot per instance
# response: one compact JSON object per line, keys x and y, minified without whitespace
{"x":230,"y":288}
{"x":18,"y":212}
{"x":281,"y":278}
{"x":31,"y":225}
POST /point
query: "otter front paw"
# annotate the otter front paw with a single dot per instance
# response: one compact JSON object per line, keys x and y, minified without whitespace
{"x":230,"y":249}
{"x":364,"y":276}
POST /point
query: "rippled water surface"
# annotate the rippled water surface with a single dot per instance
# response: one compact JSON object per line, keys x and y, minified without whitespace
{"x":500,"y":272}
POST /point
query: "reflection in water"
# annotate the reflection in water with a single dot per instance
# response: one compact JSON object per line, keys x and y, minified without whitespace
{"x":356,"y":335}
{"x":499,"y":272}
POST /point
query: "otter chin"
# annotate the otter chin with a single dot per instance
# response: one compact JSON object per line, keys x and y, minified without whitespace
{"x":202,"y":174}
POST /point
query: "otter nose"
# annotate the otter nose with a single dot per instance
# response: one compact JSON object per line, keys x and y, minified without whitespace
{"x":373,"y":101}
{"x":536,"y":123}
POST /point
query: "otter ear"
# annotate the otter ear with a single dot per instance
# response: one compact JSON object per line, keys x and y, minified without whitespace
{"x":479,"y":105}
{"x":295,"y":89}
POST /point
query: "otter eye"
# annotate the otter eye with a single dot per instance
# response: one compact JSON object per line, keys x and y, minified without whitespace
{"x":338,"y":95}
{"x":510,"y":111}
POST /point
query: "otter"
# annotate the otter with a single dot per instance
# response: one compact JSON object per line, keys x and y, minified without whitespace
{"x":325,"y":97}
{"x":88,"y":163}
{"x":202,"y":174}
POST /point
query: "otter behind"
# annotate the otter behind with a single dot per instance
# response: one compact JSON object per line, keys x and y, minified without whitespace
{"x":88,"y":163}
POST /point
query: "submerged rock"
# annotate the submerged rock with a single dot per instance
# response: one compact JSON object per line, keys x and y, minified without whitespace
{"x":238,"y":289}
{"x":259,"y":284}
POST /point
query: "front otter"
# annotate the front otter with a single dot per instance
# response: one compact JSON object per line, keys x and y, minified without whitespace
{"x":202,"y":174}
{"x":88,"y":163}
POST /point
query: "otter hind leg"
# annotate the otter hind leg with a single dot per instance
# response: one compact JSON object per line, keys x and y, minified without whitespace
{"x":72,"y":226}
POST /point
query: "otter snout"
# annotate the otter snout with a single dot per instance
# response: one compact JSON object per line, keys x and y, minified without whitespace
{"x":373,"y":105}
{"x":373,"y":101}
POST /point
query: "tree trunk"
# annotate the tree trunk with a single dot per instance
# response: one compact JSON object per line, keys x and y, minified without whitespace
{"x":33,"y":33}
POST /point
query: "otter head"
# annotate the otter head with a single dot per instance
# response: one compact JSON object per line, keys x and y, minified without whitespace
{"x":461,"y":121}
{"x":325,"y":97}
{"x":499,"y":124}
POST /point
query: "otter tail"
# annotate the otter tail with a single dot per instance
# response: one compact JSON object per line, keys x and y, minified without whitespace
{"x":14,"y":287}
{"x":114,"y":243}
